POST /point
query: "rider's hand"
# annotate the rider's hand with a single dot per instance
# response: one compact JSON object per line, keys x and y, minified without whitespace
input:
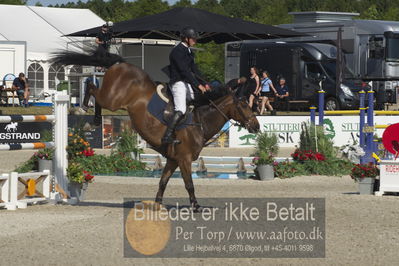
{"x":207,"y":87}
{"x":202,"y":88}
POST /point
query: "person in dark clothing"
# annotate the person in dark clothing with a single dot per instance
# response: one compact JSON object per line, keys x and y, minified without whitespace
{"x":85,"y":105}
{"x":21,"y":85}
{"x":282,"y":92}
{"x":184,"y":79}
{"x":103,"y":38}
{"x":253,"y":88}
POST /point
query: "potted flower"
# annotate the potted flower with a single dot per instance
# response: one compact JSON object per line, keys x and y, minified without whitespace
{"x":44,"y":158}
{"x":308,"y":155}
{"x":79,"y":179}
{"x":365,"y":175}
{"x":78,"y":146}
{"x":127,"y":143}
{"x":266,"y":148}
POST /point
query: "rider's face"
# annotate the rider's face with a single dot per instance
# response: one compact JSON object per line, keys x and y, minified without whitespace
{"x":191,"y":42}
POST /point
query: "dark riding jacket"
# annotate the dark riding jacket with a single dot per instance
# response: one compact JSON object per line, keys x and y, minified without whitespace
{"x":182,"y":66}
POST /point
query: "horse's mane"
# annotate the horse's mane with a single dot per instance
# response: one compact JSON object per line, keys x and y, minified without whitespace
{"x":216,"y":96}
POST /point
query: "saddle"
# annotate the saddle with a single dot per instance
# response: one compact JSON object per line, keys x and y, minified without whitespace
{"x":162,"y":107}
{"x":164,"y":93}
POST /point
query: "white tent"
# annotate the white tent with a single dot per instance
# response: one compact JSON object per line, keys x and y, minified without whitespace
{"x":43,"y":30}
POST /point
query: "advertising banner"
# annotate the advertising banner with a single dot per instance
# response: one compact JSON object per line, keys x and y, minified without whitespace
{"x":341,"y":129}
{"x":31,"y":132}
{"x":20,"y":132}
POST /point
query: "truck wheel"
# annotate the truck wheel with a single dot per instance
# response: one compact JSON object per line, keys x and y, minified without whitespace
{"x":331,"y":104}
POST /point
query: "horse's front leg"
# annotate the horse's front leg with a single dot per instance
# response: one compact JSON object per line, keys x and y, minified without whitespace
{"x":167,"y":172}
{"x":185,"y":168}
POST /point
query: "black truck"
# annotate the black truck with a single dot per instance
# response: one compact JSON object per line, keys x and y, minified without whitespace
{"x":304,"y":66}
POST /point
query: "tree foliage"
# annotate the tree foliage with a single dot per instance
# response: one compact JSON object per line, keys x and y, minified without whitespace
{"x":273,"y":12}
{"x":13,"y":2}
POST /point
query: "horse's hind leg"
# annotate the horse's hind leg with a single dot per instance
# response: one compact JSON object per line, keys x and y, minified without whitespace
{"x":185,"y":168}
{"x":169,"y":169}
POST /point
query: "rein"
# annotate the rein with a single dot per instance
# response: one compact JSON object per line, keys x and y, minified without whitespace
{"x":227,"y":119}
{"x":224,"y":131}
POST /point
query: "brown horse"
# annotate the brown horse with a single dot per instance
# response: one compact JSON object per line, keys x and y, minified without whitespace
{"x":128,"y":87}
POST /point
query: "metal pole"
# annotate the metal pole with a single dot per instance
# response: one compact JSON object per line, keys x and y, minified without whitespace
{"x":370,"y":124}
{"x":313,"y":115}
{"x":362,"y":95}
{"x":321,"y":107}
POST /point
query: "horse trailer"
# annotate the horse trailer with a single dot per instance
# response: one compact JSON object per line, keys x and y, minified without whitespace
{"x":370,"y":47}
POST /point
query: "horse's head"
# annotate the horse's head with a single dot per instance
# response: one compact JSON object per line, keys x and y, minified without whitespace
{"x":242,"y":113}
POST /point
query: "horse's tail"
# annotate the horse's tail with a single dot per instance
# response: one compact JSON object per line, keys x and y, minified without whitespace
{"x":97,"y":57}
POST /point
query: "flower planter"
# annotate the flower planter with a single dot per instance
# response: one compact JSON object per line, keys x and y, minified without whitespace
{"x":45,"y":165}
{"x":366,"y":185}
{"x":78,"y":190}
{"x":265,"y":172}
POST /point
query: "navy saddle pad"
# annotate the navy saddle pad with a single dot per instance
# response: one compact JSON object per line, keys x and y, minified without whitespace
{"x":156,"y":107}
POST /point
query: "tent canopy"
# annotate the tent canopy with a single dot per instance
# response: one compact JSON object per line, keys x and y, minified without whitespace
{"x":42,"y":27}
{"x":212,"y":27}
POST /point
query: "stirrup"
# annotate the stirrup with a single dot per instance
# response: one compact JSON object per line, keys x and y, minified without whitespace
{"x":170,"y":141}
{"x":190,"y":108}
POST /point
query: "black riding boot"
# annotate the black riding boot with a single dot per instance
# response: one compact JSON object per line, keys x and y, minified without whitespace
{"x":167,"y":138}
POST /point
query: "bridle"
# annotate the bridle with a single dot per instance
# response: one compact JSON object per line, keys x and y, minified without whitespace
{"x":235,"y":123}
{"x":244,"y":118}
{"x":241,"y":113}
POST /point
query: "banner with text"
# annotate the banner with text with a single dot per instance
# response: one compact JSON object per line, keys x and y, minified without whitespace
{"x":341,"y":129}
{"x":225,"y":228}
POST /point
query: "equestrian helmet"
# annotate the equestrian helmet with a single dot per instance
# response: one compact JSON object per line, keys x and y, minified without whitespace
{"x":189,"y":32}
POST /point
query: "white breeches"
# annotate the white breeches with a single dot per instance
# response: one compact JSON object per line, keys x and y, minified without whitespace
{"x":182,"y":92}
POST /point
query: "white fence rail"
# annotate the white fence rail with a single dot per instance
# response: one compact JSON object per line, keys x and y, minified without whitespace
{"x":226,"y":163}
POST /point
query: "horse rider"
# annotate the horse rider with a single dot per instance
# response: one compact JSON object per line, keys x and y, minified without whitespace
{"x":184,"y":79}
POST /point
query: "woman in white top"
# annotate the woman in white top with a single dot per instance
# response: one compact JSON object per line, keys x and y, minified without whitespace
{"x":267,"y":90}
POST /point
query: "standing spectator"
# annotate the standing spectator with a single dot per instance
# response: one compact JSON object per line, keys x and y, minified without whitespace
{"x":266,"y":87}
{"x":103,"y":38}
{"x":282,"y":92}
{"x":97,"y":108}
{"x":253,"y":86}
{"x":21,"y":85}
{"x":85,"y":105}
